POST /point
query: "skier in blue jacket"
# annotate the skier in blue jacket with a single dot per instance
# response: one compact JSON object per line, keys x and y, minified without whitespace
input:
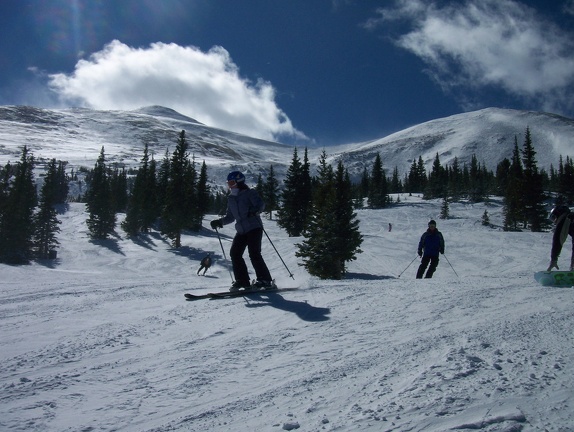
{"x":432,"y":243}
{"x":244,"y":206}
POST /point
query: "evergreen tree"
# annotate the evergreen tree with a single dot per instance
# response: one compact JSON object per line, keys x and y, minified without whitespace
{"x":62,"y":184}
{"x":436,"y":181}
{"x":119,"y":187}
{"x":195,"y":216}
{"x":99,"y":202}
{"x":176,"y":210}
{"x":533,"y":192}
{"x":396,"y":186}
{"x":444,"y":209}
{"x":142,"y":208}
{"x":332,"y":237}
{"x":296,"y":197}
{"x":202,"y":194}
{"x":17,"y":217}
{"x":162,"y":181}
{"x":566,"y":180}
{"x":378,"y":187}
{"x":271,"y":193}
{"x":455,"y":179}
{"x":513,"y":194}
{"x":485,"y":218}
{"x":46,"y":221}
{"x":365,"y":182}
{"x":502,"y":176}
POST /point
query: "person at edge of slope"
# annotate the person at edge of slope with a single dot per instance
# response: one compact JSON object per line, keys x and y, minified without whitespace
{"x":244,"y":206}
{"x":204,"y":264}
{"x":564,"y":225}
{"x":432,"y":243}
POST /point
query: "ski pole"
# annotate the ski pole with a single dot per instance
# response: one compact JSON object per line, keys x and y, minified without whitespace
{"x":288,"y":271}
{"x":408,"y":265}
{"x":451,"y":266}
{"x":223,"y":250}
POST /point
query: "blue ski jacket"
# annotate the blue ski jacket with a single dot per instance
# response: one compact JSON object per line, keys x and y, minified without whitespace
{"x":432,"y":242}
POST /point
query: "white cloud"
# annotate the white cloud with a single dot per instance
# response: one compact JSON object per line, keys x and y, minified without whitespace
{"x":486,"y":43}
{"x":205,"y":86}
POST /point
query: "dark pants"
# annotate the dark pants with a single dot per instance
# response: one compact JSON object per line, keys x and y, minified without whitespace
{"x":201,"y":268}
{"x":424,"y":263}
{"x":252,"y":241}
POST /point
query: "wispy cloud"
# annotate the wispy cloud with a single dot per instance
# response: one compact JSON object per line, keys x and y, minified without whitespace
{"x":488,"y":43}
{"x":204,"y":85}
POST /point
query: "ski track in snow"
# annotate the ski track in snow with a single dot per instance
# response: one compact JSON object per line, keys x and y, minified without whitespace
{"x":103,"y":340}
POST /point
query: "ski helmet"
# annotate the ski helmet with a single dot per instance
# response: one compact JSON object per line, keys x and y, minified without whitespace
{"x":432,"y":222}
{"x":558,"y":211}
{"x":236,"y":176}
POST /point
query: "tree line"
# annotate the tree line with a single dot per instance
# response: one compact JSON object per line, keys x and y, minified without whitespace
{"x":174,"y":196}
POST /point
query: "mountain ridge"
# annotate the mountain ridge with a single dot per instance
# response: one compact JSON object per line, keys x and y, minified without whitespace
{"x":77,"y":135}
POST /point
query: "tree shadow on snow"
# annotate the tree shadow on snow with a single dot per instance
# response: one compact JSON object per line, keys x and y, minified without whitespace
{"x":303,"y":310}
{"x":366,"y":276}
{"x":110,"y":243}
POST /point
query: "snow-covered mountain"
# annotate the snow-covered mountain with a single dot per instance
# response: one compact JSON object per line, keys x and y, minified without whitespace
{"x":77,"y":136}
{"x":489,"y":134}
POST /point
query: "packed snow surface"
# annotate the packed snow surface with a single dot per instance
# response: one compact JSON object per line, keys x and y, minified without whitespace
{"x":102,"y":339}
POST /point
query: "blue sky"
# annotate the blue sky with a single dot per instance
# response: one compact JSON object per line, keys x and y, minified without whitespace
{"x":305,"y":72}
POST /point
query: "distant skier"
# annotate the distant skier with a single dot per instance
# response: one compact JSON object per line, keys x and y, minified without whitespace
{"x":243,"y":207}
{"x":205,"y":264}
{"x":432,"y":243}
{"x":390,"y":227}
{"x":564,"y":221}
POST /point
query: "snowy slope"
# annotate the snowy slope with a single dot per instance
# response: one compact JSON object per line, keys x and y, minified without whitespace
{"x":102,"y":339}
{"x":489,"y":134}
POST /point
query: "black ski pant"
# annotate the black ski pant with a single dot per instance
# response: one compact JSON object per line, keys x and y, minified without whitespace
{"x":202,"y":268}
{"x":252,"y":241}
{"x":424,"y":263}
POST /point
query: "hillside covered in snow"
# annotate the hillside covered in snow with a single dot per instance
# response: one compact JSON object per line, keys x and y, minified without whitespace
{"x":77,"y":136}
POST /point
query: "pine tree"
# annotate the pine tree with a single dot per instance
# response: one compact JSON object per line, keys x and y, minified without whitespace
{"x":396,"y":185}
{"x":485,"y":218}
{"x":533,"y":192}
{"x":202,"y":195}
{"x":176,"y":211}
{"x":294,"y":210}
{"x":62,"y":184}
{"x":444,"y":209}
{"x":271,"y":193}
{"x":513,"y":193}
{"x":566,"y":180}
{"x":378,"y":187}
{"x":17,"y":217}
{"x":99,"y":203}
{"x":331,"y":237}
{"x":141,"y":208}
{"x":436,"y":181}
{"x":46,"y":220}
{"x":119,"y":187}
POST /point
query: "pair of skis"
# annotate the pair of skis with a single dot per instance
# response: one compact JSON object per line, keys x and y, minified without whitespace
{"x":231,"y":294}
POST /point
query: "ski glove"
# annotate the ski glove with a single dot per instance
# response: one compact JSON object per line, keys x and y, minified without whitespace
{"x":553,"y":264}
{"x":216,"y":224}
{"x":420,"y":252}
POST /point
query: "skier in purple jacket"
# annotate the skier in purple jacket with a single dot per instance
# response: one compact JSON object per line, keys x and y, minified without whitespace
{"x":243,"y":207}
{"x":564,"y":221}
